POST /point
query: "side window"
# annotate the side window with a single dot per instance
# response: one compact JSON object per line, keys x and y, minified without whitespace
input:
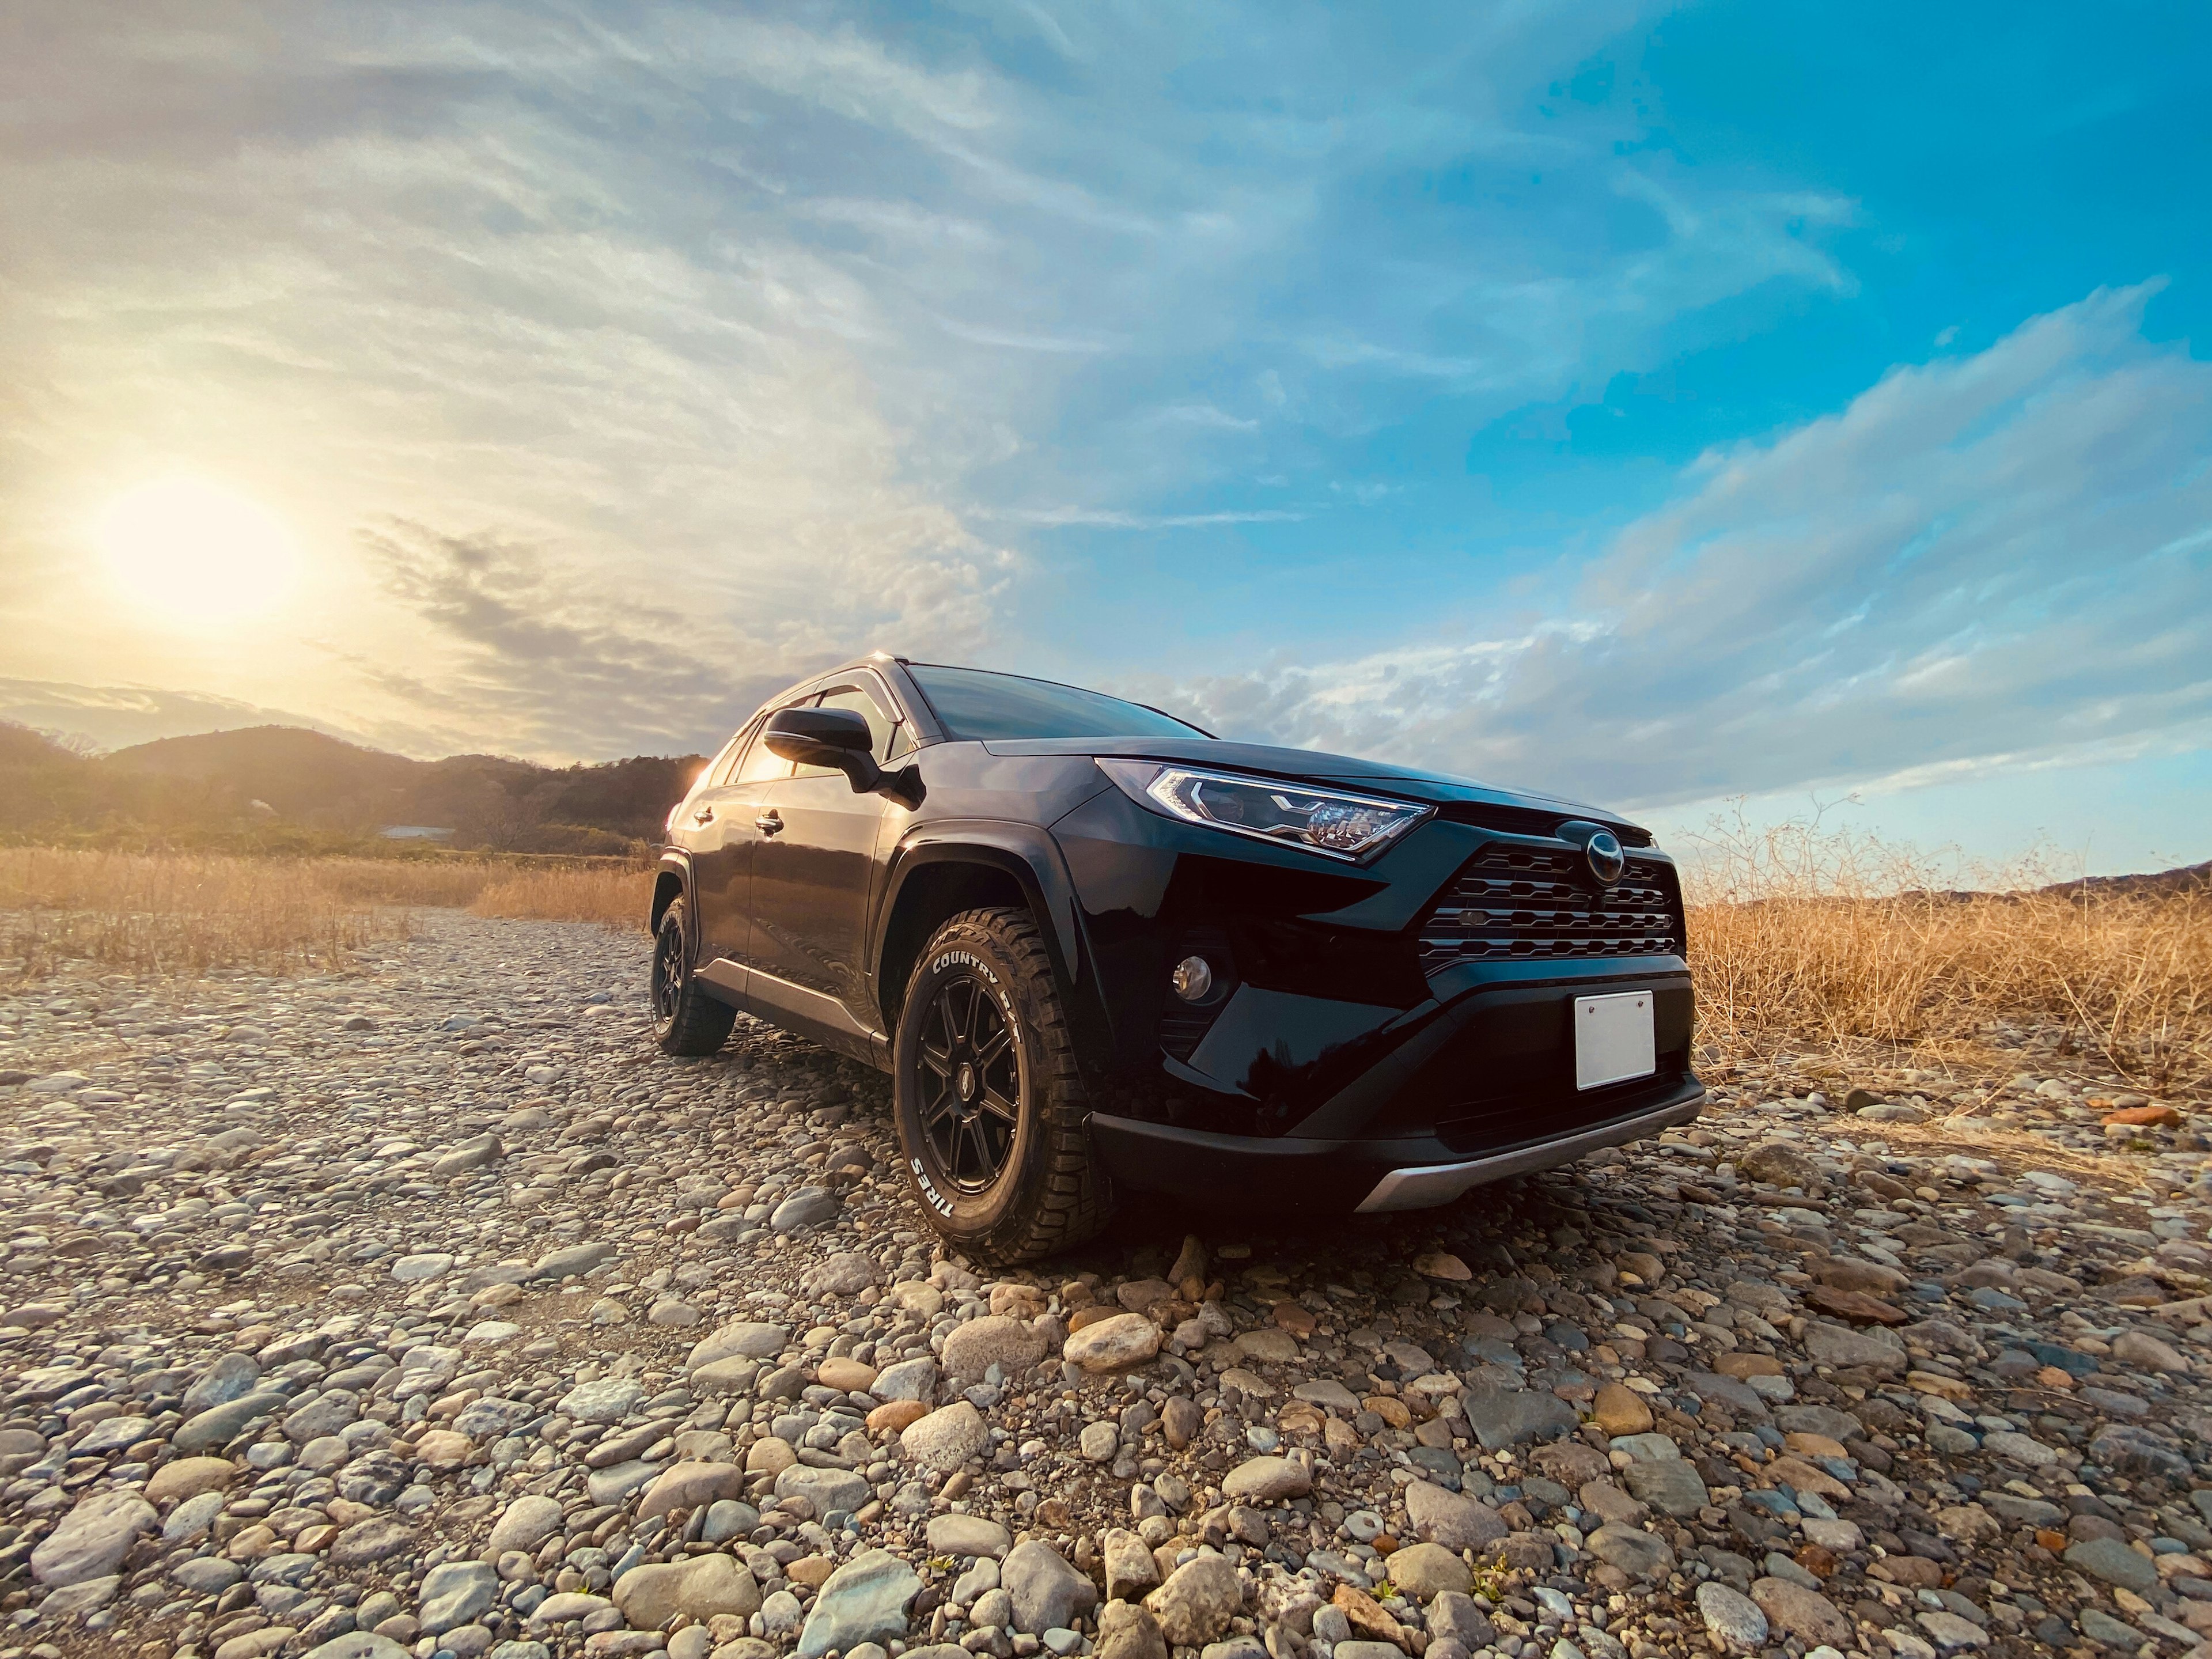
{"x":882,"y":728}
{"x":727,"y":761}
{"x":759,"y":765}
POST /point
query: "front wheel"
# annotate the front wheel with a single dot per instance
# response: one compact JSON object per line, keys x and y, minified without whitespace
{"x":989,"y":1102}
{"x":685,"y":1019}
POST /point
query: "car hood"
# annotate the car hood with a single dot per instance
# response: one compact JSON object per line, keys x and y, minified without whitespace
{"x":1312,"y":765}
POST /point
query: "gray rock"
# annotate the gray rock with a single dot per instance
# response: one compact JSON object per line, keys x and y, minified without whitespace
{"x":91,"y":1538}
{"x":1502,"y":1419}
{"x":947,"y":1437}
{"x":864,"y":1600}
{"x":1264,"y":1479}
{"x":1047,"y":1593}
{"x":207,"y":1575}
{"x":1948,"y":1631}
{"x":191,"y":1518}
{"x":326,"y":1413}
{"x":1733,"y":1618}
{"x":1672,"y":1486}
{"x":373,"y":1539}
{"x":572,"y":1259}
{"x":728,"y":1519}
{"x":1455,"y":1618}
{"x":806,"y":1207}
{"x":846,"y":1274}
{"x":618,"y":1481}
{"x":2100,"y":1626}
{"x":1874,"y":1350}
{"x":1637,"y":1553}
{"x":910,"y":1379}
{"x":741,"y":1339}
{"x":524,"y":1525}
{"x":608,"y":1401}
{"x":968,"y":1535}
{"x":361,"y":1644}
{"x":230,"y":1377}
{"x":454,"y":1595}
{"x":1806,"y":1614}
{"x":1449,"y":1518}
{"x":2110,"y":1559}
{"x":826,"y":1489}
{"x":221,"y":1424}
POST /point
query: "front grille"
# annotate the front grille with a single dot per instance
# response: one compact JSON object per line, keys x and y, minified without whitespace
{"x":1516,"y":902}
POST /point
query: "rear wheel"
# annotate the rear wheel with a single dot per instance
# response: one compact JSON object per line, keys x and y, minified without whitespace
{"x":989,"y":1100}
{"x":685,"y":1019}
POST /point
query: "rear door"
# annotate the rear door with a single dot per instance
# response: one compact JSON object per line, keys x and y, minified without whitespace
{"x":814,"y":873}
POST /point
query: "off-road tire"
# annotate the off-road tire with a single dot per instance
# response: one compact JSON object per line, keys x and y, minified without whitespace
{"x":1048,"y":1194}
{"x":686,"y":1020}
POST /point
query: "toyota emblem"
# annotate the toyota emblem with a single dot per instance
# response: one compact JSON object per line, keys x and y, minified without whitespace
{"x":1606,"y":861}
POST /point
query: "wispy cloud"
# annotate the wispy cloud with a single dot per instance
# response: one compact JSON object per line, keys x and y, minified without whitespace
{"x":1093,"y":518}
{"x":1762,"y":632}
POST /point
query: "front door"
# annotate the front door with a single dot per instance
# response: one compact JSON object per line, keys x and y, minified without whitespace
{"x":723,"y":846}
{"x":814,"y":873}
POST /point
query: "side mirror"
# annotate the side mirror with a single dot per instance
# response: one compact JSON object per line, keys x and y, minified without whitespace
{"x":835,"y":738}
{"x":840,"y":739}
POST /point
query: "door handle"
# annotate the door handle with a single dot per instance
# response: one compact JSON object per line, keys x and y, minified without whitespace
{"x":704,"y":815}
{"x":769,"y":823}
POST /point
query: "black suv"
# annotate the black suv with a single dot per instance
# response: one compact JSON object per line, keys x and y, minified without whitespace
{"x":1096,"y":947}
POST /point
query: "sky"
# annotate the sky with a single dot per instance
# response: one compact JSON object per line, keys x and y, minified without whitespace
{"x":1667,"y":406}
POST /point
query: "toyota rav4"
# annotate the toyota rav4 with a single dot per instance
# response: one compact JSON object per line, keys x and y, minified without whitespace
{"x":1097,"y":948}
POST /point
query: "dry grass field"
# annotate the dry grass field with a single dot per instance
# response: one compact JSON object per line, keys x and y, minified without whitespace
{"x":185,"y":914}
{"x":1801,"y":938}
{"x":1797,"y":938}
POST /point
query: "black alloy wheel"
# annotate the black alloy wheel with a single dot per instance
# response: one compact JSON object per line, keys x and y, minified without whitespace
{"x":668,"y":974}
{"x":988,"y":1099}
{"x":970,"y":1081}
{"x":685,"y":1019}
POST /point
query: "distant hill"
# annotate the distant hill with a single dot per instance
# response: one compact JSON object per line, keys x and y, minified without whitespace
{"x":240,"y":780}
{"x":2185,"y":878}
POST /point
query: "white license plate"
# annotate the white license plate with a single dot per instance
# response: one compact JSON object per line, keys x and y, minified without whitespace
{"x":1613,"y":1039}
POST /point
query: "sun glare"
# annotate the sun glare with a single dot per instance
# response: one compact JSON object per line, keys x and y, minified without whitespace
{"x":196,"y":552}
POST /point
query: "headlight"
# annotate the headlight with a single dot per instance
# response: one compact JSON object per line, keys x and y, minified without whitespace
{"x":1326,"y":820}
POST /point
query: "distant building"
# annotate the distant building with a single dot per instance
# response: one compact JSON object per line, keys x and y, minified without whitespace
{"x":414,"y":832}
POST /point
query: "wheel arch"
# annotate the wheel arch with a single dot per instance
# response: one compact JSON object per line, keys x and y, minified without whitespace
{"x":671,"y":881}
{"x":945,"y":869}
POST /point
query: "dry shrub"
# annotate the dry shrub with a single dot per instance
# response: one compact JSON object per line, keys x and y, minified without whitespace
{"x":1801,"y":935}
{"x":611,"y":898}
{"x":184,"y":914}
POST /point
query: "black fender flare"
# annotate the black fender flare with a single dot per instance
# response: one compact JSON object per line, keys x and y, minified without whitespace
{"x":1029,"y":855}
{"x":675,"y":861}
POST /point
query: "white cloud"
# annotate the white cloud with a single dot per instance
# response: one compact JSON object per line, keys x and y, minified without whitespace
{"x":1981,"y":561}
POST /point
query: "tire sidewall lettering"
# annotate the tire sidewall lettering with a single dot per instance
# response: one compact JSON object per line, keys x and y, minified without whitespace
{"x":952,"y":959}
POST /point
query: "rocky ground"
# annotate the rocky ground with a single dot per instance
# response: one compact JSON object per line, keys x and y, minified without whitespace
{"x":427,"y":1309}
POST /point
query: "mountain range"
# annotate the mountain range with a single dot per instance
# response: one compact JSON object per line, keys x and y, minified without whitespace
{"x":263,"y":781}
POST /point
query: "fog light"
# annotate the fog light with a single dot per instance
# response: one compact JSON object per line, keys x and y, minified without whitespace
{"x":1192,"y":978}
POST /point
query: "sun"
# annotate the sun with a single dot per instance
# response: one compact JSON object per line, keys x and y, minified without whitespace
{"x":196,"y":553}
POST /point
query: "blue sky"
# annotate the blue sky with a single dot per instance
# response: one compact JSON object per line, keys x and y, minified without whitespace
{"x":1659,"y":405}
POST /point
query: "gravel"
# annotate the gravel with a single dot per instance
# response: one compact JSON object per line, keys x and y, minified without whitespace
{"x":427,"y":1309}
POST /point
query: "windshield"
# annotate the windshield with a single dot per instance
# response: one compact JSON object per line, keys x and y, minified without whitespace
{"x":973,"y":702}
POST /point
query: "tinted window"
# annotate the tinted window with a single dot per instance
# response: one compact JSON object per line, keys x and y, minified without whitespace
{"x":726,"y":763}
{"x":760,"y":764}
{"x":861,"y":703}
{"x":974,"y":703}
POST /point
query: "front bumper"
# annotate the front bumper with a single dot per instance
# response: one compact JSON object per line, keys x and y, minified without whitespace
{"x":1399,"y":1172}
